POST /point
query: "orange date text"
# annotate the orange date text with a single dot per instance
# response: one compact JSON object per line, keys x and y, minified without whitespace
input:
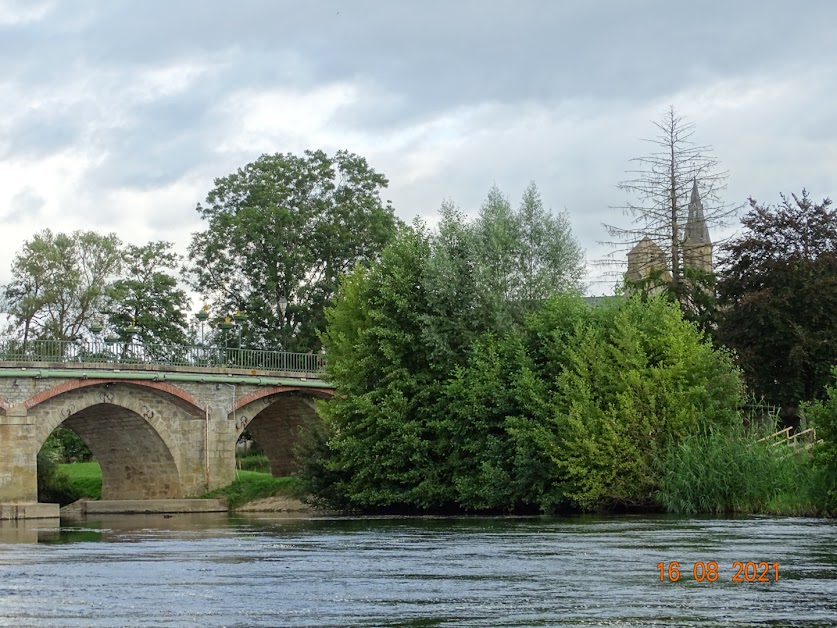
{"x":708,"y":571}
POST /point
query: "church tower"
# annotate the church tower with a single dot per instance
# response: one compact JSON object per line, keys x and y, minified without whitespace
{"x":697,"y":247}
{"x":645,"y":258}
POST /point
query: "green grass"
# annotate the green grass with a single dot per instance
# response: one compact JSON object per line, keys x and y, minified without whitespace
{"x":253,"y":462}
{"x":85,"y":478}
{"x":252,"y":485}
{"x":86,"y":481}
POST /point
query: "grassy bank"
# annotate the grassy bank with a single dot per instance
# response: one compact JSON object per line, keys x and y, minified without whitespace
{"x":252,"y":485}
{"x":85,"y":480}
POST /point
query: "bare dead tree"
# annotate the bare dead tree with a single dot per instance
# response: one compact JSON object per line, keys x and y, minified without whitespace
{"x":660,"y":184}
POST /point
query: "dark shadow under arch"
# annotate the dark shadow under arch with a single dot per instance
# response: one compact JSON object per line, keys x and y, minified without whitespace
{"x":136,"y":463}
{"x":276,"y":428}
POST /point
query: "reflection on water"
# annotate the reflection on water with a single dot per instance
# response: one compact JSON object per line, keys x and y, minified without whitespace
{"x":260,"y":570}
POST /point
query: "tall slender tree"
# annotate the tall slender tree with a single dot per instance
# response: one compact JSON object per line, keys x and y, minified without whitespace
{"x":524,"y":256}
{"x":660,"y":185}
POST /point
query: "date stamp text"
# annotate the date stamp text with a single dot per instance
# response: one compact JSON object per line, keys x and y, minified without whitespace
{"x":709,"y":571}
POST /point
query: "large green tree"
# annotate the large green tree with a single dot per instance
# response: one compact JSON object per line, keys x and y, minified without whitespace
{"x":59,"y":283}
{"x":148,"y":296}
{"x":400,"y":330}
{"x":285,"y":228}
{"x":778,"y":298}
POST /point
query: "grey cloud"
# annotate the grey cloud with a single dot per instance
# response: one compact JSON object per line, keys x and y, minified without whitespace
{"x":439,"y":52}
{"x":417,"y":60}
{"x":26,"y":204}
{"x":167,"y":142}
{"x":600,"y":61}
{"x":38,"y":133}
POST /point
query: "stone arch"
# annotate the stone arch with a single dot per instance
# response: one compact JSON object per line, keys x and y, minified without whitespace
{"x":274,"y":417}
{"x":242,"y":404}
{"x":129,"y":433}
{"x":74,"y":384}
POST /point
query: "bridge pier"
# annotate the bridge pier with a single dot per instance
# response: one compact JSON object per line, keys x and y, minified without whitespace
{"x":18,"y":457}
{"x":19,"y":468}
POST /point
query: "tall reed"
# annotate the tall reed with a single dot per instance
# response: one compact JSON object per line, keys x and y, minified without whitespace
{"x":733,"y":471}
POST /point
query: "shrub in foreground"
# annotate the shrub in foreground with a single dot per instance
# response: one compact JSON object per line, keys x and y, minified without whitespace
{"x":635,"y":377}
{"x":54,"y":485}
{"x":569,"y":410}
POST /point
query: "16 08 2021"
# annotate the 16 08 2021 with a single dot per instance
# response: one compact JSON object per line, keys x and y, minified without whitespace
{"x":708,"y":571}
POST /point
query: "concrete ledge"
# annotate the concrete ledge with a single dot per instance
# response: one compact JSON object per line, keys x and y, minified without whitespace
{"x":14,"y":512}
{"x":152,"y":506}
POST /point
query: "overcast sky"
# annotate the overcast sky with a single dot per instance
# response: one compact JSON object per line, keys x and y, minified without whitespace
{"x":117,"y":116}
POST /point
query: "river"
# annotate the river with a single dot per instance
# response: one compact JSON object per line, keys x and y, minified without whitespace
{"x":264,"y":570}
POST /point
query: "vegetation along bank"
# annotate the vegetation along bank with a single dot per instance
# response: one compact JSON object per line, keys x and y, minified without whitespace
{"x":471,"y":374}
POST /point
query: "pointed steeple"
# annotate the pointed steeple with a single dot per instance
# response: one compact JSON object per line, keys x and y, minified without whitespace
{"x":696,"y":231}
{"x":697,"y":247}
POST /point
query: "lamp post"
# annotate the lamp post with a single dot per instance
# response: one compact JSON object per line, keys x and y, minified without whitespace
{"x":96,"y":327}
{"x":131,"y":330}
{"x":128,"y":333}
{"x":202,"y":315}
{"x":239,"y":317}
{"x":225,"y":326}
{"x":283,"y":306}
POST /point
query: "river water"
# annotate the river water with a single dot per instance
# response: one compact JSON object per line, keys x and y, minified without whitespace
{"x":218,"y":570}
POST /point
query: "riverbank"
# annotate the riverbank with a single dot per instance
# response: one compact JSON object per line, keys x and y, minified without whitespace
{"x":261,"y":492}
{"x":252,"y":491}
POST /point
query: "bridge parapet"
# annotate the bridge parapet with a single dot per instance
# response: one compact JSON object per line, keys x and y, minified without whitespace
{"x":98,"y":354}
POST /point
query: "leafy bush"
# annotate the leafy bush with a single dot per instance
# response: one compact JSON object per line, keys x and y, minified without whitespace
{"x":573,"y":408}
{"x":70,"y":445}
{"x":320,"y":483}
{"x":636,"y":376}
{"x":823,"y":416}
{"x":54,"y":486}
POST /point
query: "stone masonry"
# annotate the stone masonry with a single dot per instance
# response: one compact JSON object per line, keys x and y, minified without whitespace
{"x":153,"y":439}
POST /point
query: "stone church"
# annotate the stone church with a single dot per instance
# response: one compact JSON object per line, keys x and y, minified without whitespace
{"x":647,"y":256}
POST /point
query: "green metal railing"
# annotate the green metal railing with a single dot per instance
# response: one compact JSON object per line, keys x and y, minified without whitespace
{"x":98,"y":352}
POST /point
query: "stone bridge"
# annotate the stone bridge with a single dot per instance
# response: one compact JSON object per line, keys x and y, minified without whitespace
{"x":158,"y":432}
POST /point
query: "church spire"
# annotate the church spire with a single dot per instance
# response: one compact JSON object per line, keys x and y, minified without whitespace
{"x":696,"y":232}
{"x":697,"y":247}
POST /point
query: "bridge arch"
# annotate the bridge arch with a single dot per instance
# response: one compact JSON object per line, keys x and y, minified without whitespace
{"x":274,"y":417}
{"x":170,"y":390}
{"x":126,"y":426}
